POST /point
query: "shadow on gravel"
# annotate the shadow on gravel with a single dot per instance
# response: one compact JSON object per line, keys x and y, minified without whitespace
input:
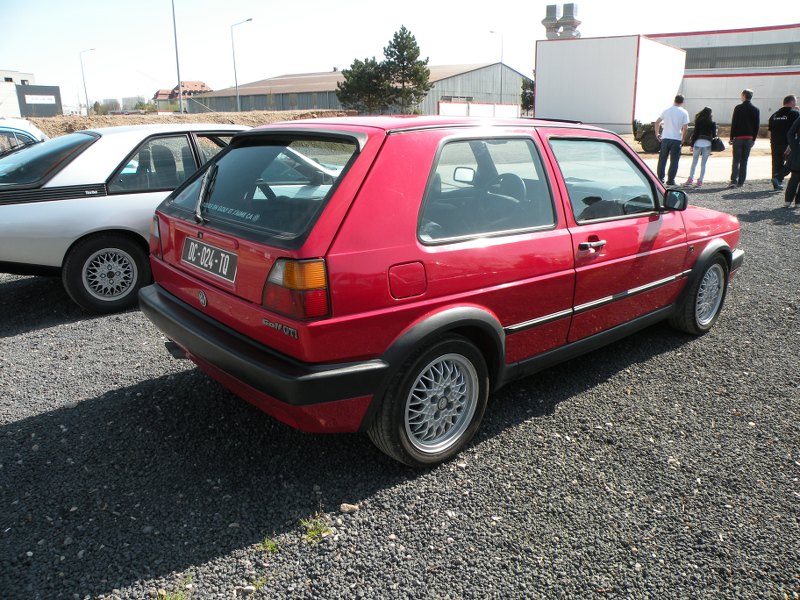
{"x":154,"y":478}
{"x":173,"y":472}
{"x":779,"y":215}
{"x":540,"y":394}
{"x":35,"y":303}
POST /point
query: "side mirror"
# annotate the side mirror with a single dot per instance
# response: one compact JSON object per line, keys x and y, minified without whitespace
{"x":464,"y":175}
{"x":676,"y":200}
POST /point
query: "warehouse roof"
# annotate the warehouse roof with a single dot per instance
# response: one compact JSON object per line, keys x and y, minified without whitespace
{"x":324,"y":82}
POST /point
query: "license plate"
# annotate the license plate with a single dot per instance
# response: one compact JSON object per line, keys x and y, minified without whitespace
{"x":212,"y":260}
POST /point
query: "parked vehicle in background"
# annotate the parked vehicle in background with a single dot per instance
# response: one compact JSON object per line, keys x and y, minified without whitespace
{"x":431,"y":261}
{"x":80,"y":205}
{"x":645,"y":134}
{"x":16,"y":133}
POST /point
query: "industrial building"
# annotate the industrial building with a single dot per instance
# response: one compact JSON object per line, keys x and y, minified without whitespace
{"x":720,"y":64}
{"x":21,"y":97}
{"x":473,"y":89}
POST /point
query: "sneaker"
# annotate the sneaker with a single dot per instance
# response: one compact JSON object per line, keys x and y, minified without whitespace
{"x":731,"y":185}
{"x":739,"y":184}
{"x":787,"y":204}
{"x":776,"y":184}
{"x":670,"y":184}
{"x":699,"y":183}
{"x":689,"y":181}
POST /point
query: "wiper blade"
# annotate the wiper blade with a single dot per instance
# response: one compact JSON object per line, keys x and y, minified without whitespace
{"x":206,"y":187}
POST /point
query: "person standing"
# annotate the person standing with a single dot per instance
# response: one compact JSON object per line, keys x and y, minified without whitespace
{"x":676,"y":122}
{"x":779,"y":123}
{"x":745,"y":122}
{"x":705,"y":130}
{"x":793,"y":141}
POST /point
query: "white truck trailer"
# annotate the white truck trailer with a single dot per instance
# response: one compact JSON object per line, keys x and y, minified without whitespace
{"x":611,"y":82}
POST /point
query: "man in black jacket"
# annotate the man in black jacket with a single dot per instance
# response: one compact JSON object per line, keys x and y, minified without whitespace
{"x":779,"y":124}
{"x":744,"y":129}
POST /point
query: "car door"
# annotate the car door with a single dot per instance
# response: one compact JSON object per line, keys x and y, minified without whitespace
{"x":629,"y":254}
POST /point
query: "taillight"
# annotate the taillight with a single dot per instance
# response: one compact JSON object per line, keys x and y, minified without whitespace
{"x":155,"y":238}
{"x":297,"y":288}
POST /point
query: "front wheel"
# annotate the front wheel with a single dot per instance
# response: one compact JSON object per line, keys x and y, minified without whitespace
{"x":434,"y":405}
{"x":700,"y":307}
{"x":103,"y":274}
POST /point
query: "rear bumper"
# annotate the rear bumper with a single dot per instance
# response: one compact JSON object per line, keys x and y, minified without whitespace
{"x":308,"y":397}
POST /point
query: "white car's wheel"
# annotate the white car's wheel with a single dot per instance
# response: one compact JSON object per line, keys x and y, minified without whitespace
{"x":103,"y":273}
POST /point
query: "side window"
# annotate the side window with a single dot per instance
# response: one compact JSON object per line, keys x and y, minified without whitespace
{"x":601,"y":179}
{"x":7,"y":140}
{"x":210,"y":145}
{"x":158,"y":164}
{"x":481,"y":187}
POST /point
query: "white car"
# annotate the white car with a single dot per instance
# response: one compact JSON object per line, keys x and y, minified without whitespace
{"x":80,"y":205}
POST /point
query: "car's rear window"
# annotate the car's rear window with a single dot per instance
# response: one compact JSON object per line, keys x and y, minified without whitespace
{"x":35,"y":164}
{"x":268,"y":189}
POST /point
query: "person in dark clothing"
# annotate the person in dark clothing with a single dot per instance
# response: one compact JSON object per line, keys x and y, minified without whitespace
{"x":705,"y":130}
{"x":744,"y":129}
{"x":793,"y":141}
{"x":779,"y":124}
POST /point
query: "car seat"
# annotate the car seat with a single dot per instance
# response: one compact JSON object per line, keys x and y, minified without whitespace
{"x":164,"y":165}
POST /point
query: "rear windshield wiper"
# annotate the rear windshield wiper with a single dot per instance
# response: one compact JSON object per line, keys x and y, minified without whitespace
{"x":206,"y":187}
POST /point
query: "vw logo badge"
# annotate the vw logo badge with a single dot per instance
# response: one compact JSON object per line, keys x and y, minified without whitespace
{"x":202,"y":297}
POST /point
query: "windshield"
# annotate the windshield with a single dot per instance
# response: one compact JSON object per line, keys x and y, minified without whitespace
{"x":34,"y":164}
{"x":265,"y":188}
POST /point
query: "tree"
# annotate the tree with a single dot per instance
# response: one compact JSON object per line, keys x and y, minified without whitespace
{"x":528,"y":95}
{"x":365,"y":87}
{"x":407,"y":74}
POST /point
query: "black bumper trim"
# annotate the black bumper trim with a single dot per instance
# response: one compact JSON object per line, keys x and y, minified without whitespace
{"x":285,"y":379}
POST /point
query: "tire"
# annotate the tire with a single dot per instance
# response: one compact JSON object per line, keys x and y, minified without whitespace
{"x":650,"y":142}
{"x":434,"y":405}
{"x":86,"y":268}
{"x":702,"y":302}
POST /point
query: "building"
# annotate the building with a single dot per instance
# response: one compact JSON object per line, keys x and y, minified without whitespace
{"x":457,"y":89}
{"x":720,"y":64}
{"x":169,"y":100}
{"x":21,"y":97}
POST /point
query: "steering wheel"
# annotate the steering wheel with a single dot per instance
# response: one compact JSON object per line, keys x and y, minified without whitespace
{"x":507,"y":185}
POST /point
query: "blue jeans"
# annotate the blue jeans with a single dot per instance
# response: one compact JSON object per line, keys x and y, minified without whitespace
{"x":699,"y":152}
{"x":741,"y":152}
{"x":671,"y":149}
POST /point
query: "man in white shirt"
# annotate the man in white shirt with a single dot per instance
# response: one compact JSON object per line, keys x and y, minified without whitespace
{"x":676,"y":122}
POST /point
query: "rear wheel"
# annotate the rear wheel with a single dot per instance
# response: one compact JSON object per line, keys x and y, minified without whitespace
{"x":703,"y":302}
{"x":103,"y":273}
{"x":434,"y":405}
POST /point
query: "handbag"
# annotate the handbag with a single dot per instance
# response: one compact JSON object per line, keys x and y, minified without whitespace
{"x":717,"y":145}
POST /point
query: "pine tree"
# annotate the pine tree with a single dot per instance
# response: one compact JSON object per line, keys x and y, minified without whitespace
{"x":407,"y":74}
{"x":365,"y":87}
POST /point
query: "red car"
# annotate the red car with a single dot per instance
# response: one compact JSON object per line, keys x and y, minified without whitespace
{"x":385,"y":274}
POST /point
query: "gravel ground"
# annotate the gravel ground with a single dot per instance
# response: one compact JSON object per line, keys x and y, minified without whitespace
{"x":663,"y":466}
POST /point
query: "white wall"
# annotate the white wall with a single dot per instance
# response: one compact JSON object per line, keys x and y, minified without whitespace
{"x":659,"y":77}
{"x":9,"y":104}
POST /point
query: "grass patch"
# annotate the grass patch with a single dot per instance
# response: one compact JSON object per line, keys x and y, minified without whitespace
{"x":316,"y":528}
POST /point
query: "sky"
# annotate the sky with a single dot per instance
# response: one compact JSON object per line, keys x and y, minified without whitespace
{"x":134,"y":45}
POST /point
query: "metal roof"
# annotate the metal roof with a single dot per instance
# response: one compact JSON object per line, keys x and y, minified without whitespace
{"x":323,"y":82}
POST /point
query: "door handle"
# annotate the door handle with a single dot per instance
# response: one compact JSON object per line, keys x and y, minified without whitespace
{"x":591,"y":245}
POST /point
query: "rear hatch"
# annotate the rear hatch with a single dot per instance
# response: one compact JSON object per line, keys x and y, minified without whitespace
{"x":256,"y":213}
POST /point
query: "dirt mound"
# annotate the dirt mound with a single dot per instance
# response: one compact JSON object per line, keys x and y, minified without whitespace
{"x":56,"y":126}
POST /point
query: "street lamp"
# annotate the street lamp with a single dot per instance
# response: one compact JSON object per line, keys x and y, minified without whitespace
{"x":177,"y":62}
{"x":500,"y":33}
{"x":83,"y":76}
{"x":235,"y":79}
